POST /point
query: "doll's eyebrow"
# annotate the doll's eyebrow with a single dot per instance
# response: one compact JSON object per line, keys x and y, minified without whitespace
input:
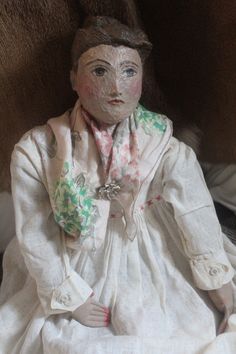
{"x":129,"y":62}
{"x":95,"y":60}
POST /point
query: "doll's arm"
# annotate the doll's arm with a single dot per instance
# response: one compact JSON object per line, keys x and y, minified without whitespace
{"x":200,"y":232}
{"x":59,"y":287}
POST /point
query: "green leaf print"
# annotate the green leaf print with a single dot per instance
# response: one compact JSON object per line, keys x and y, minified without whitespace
{"x":150,"y":120}
{"x":74,"y":207}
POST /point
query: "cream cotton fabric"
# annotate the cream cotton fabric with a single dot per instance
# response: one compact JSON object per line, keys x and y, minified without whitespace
{"x":144,"y":256}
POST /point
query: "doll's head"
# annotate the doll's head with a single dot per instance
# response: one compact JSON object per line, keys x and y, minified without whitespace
{"x":107,"y":68}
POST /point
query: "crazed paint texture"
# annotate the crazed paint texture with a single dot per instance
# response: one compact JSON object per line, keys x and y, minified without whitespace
{"x":108,"y":82}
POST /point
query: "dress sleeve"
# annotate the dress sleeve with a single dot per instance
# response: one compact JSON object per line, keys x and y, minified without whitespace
{"x":59,"y":287}
{"x":185,"y":190}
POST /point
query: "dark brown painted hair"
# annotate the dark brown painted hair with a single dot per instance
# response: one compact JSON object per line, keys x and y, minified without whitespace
{"x":106,"y":30}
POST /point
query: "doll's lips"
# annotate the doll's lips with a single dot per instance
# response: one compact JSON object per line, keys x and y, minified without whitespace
{"x":115,"y":102}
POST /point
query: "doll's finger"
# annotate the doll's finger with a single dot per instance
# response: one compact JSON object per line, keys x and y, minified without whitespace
{"x":98,"y":318}
{"x":96,"y":311}
{"x":100,"y":306}
{"x":104,"y":317}
{"x":96,"y":323}
{"x":97,"y":315}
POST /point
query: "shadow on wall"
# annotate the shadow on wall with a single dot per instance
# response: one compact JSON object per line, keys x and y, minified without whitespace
{"x":7,"y":225}
{"x":195,"y":55}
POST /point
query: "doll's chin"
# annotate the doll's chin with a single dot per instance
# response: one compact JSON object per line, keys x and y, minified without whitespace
{"x":113,"y":118}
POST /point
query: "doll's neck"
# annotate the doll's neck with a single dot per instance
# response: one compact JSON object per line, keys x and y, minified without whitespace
{"x":110,"y":129}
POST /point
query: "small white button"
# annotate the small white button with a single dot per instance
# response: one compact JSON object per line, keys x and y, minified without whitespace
{"x":225,"y":268}
{"x":64,"y":299}
{"x":213,"y":271}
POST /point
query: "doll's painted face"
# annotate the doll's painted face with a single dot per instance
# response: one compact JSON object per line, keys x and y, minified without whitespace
{"x":109,"y":82}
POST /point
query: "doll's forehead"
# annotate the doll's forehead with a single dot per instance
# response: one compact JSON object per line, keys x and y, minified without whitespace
{"x":111,"y":55}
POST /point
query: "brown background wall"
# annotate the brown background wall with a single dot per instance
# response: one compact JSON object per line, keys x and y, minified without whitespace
{"x":195,"y":61}
{"x":35,"y":40}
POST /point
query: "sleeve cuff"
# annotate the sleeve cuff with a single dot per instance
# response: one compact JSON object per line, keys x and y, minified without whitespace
{"x":211,"y":271}
{"x":72,"y":293}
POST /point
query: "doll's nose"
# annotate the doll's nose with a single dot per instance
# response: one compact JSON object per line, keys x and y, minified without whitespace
{"x":115,"y":88}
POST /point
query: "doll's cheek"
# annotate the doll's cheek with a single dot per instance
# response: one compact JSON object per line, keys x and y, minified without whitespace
{"x":87,"y":91}
{"x":136,"y":88}
{"x":86,"y":88}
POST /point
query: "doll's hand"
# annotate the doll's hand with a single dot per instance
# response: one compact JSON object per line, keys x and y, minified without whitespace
{"x":92,"y":314}
{"x":223,"y":300}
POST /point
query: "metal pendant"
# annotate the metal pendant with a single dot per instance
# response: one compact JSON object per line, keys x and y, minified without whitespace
{"x":109,"y":191}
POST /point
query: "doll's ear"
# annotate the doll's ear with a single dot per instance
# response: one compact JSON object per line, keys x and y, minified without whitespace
{"x":73,"y":80}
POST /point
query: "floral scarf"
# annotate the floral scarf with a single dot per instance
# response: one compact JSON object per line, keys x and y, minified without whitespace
{"x":75,"y":173}
{"x":118,"y":149}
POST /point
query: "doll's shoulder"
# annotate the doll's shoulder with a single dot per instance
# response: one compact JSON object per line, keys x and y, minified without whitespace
{"x":41,"y":139}
{"x":178,"y":147}
{"x":179,"y":156}
{"x":151,"y":122}
{"x":33,"y":141}
{"x":35,"y":135}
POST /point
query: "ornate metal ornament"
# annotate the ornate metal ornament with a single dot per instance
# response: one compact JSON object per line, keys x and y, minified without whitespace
{"x":109,"y":191}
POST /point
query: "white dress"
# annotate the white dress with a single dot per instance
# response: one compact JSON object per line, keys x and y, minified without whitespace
{"x":146,"y":258}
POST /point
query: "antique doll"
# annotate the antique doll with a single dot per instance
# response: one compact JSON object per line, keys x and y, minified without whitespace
{"x":115,"y":227}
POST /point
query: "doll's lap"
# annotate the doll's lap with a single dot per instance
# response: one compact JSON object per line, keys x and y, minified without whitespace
{"x":68,"y":336}
{"x":135,"y":310}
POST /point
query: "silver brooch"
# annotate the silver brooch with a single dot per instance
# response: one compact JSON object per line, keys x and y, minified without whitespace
{"x":109,"y":191}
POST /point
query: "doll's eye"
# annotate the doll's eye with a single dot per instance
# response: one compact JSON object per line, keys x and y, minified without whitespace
{"x":99,"y":71}
{"x":129,"y":72}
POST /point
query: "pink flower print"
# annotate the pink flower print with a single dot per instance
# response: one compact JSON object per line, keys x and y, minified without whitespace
{"x":125,"y":148}
{"x":133,"y":163}
{"x":107,"y":148}
{"x":104,"y":143}
{"x":115,"y":174}
{"x":124,"y":160}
